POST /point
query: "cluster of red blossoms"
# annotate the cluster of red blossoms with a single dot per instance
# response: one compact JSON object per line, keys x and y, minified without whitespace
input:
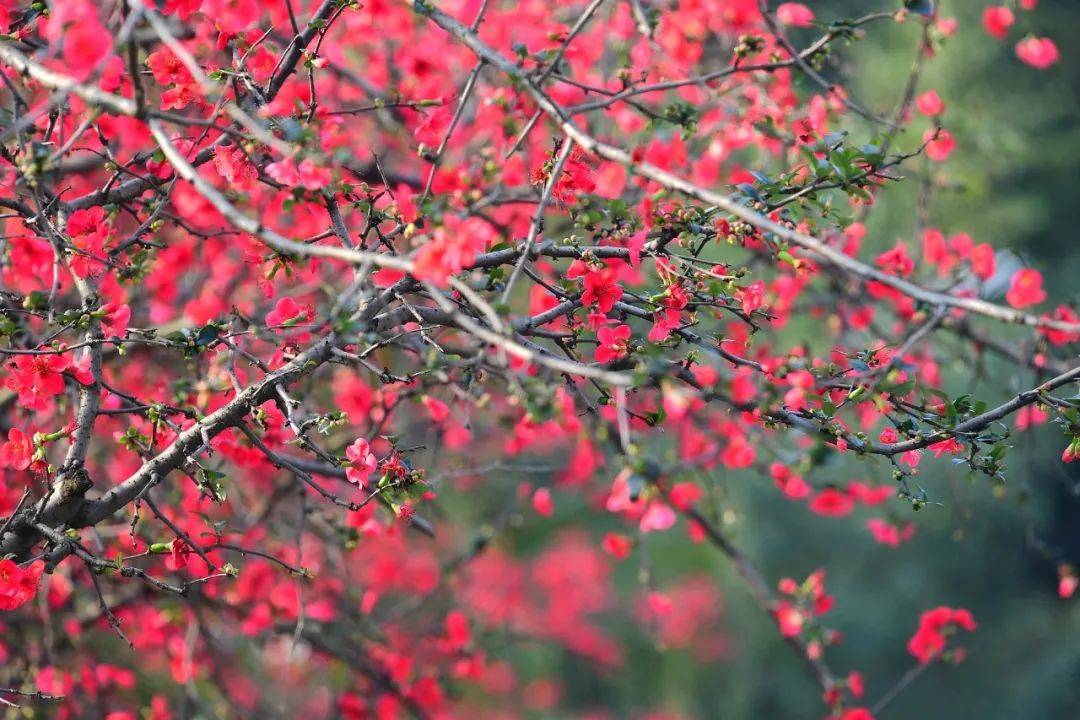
{"x":936,"y":626}
{"x":1038,"y":52}
{"x":39,"y":378}
{"x":310,"y":307}
{"x":808,"y":602}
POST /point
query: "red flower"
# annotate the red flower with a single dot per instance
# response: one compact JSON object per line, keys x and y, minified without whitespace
{"x":18,"y":451}
{"x":617,"y":546}
{"x":983,"y":261}
{"x":180,"y":551}
{"x":658,"y":516}
{"x":284,"y":172}
{"x":935,"y":251}
{"x":232,"y":16}
{"x":448,"y":252}
{"x":886,"y":533}
{"x":286,"y":312}
{"x":739,"y":453}
{"x":180,"y":96}
{"x":751,"y":296}
{"x":87,"y":260}
{"x":939,"y":144}
{"x":621,"y":498}
{"x":233,"y":166}
{"x":612,"y":343}
{"x":1067,"y":581}
{"x":86,"y":43}
{"x":949,"y":445}
{"x":931,"y":637}
{"x":542,"y":503}
{"x":997,"y":21}
{"x":312,"y":176}
{"x":18,"y":585}
{"x":89,"y":232}
{"x":790,"y":483}
{"x":307,"y":174}
{"x":37,"y":378}
{"x":168,"y":69}
{"x":577,"y":177}
{"x":896,"y":261}
{"x":790,"y":619}
{"x":683,"y":495}
{"x":87,"y":222}
{"x":1025,"y":288}
{"x":437,"y":409}
{"x":930,"y":103}
{"x":666,"y":322}
{"x":183,"y":8}
{"x":831,"y":502}
{"x":115,"y":321}
{"x":1030,"y":416}
{"x":795,"y":14}
{"x":1039,"y":53}
{"x":362,"y":460}
{"x":601,"y":290}
{"x":1064,"y":313}
{"x":870,"y":496}
{"x":855,"y":684}
{"x":80,"y":370}
{"x":858,"y":713}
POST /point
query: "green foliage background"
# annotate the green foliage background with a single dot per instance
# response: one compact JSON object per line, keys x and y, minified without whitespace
{"x":1012,"y":183}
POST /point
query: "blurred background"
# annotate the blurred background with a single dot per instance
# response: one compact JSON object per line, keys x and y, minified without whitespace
{"x":1013,"y":183}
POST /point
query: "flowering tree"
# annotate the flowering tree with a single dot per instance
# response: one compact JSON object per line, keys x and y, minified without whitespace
{"x":308,"y":306}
